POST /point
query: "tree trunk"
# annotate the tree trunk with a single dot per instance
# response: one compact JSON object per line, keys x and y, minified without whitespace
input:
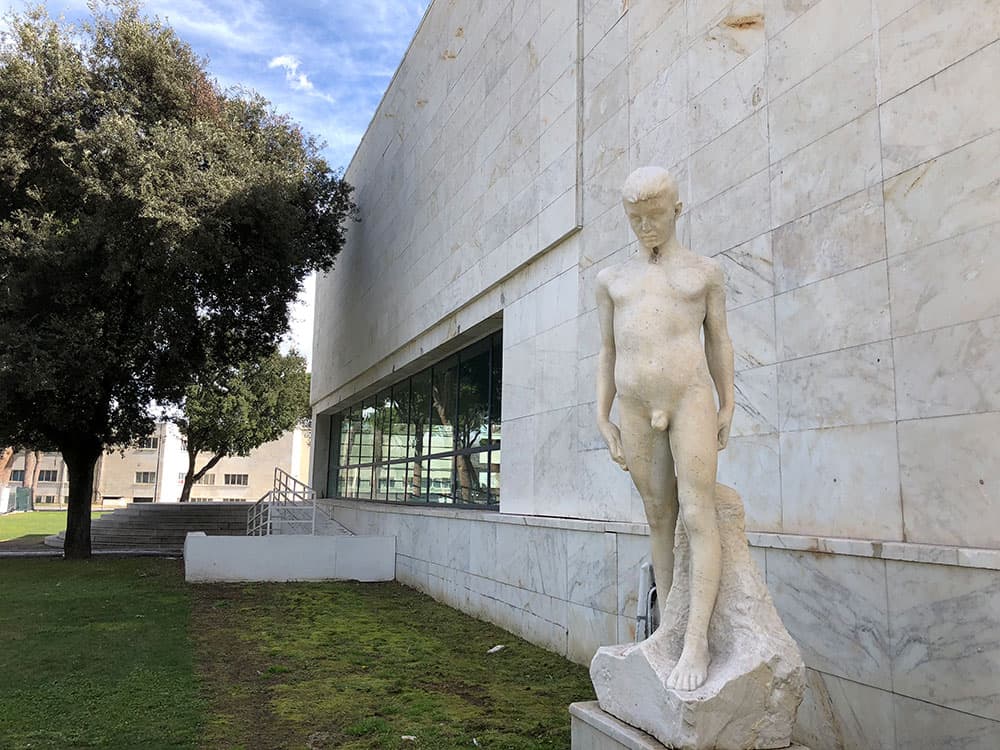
{"x":6,"y":458}
{"x":37,"y":455}
{"x":80,"y":464}
{"x":29,"y":468}
{"x":193,"y":476}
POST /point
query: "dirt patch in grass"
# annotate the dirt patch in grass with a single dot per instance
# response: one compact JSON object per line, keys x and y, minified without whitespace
{"x":360,"y":666}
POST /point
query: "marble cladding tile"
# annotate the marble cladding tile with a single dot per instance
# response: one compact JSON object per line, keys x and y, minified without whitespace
{"x":957,"y":192}
{"x":752,"y":330}
{"x":842,"y":311}
{"x":604,"y":236}
{"x":888,"y":10}
{"x":921,"y":725}
{"x":837,"y":165}
{"x":731,"y":218}
{"x":657,"y":37}
{"x":945,"y":635}
{"x":517,"y":470}
{"x":482,"y":548}
{"x":633,"y":551}
{"x":603,"y":490}
{"x":557,"y":219}
{"x":662,"y":98}
{"x":556,"y":447}
{"x":949,"y":282}
{"x":599,"y":18}
{"x":779,"y":13}
{"x":733,"y":33}
{"x":592,"y":570}
{"x":519,"y":379}
{"x":828,"y":99}
{"x":749,"y":271}
{"x":756,"y":402}
{"x":608,"y":98}
{"x":750,"y":464}
{"x":835,"y":609}
{"x":844,"y":235}
{"x":941,"y":113}
{"x":728,"y":101}
{"x":841,"y":482}
{"x":555,"y":368}
{"x":588,"y":630}
{"x":532,"y":559}
{"x":667,"y":143}
{"x":838,"y":714}
{"x":947,"y":371}
{"x":930,"y":36}
{"x":847,"y":387}
{"x":733,"y":157}
{"x":817,"y":37}
{"x":950,"y":472}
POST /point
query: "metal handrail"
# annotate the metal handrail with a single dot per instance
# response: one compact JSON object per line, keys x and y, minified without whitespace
{"x":287,"y":491}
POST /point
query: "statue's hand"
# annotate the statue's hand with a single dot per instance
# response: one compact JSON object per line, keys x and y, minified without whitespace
{"x":613,"y":437}
{"x":725,"y":422}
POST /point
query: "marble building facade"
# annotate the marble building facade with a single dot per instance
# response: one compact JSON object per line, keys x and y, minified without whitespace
{"x":840,"y":158}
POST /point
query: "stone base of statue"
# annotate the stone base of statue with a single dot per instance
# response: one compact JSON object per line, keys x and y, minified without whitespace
{"x":756,"y":678}
{"x":595,"y":729}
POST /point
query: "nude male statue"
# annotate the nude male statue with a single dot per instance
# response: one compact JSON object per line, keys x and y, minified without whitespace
{"x":652,"y":310}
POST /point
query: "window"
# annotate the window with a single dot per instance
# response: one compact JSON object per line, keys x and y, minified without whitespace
{"x":142,"y":499}
{"x":184,"y":444}
{"x":17,"y":475}
{"x":145,"y":477}
{"x":431,"y":438}
{"x":149,"y":444}
{"x":49,"y":499}
{"x":48,"y":475}
{"x":205,"y":478}
{"x":237,"y":479}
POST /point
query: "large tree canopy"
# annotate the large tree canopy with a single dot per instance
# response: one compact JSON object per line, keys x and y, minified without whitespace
{"x":149,"y":223}
{"x":231,"y":412}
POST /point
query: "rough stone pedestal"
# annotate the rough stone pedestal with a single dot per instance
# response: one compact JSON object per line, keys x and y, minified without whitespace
{"x":595,"y":729}
{"x":756,"y":678}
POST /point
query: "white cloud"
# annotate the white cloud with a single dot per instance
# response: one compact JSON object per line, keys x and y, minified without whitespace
{"x":296,"y":79}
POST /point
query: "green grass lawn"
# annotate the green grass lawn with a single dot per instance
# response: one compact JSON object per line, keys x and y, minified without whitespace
{"x":29,"y":529}
{"x":120,"y":653}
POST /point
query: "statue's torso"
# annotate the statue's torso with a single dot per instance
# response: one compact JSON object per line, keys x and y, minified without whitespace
{"x":659,"y":309}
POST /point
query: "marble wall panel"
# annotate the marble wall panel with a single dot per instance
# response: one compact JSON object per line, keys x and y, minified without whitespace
{"x":818,"y":36}
{"x":592,"y":570}
{"x":838,"y":714}
{"x":828,"y":99}
{"x":555,"y":368}
{"x":730,"y":35}
{"x":752,"y":330}
{"x":941,"y":113}
{"x":657,"y":33}
{"x":556,"y":448}
{"x":733,"y":157}
{"x":950,"y":475}
{"x":950,"y":370}
{"x":751,"y":465}
{"x":633,"y":552}
{"x":947,"y":196}
{"x":837,"y":165}
{"x":842,"y":311}
{"x":930,"y":36}
{"x":844,"y":235}
{"x":604,"y":490}
{"x":727,"y":102}
{"x":953,"y":281}
{"x":587,"y":630}
{"x":664,"y":97}
{"x":531,"y":558}
{"x":847,"y":387}
{"x":835,"y":608}
{"x":921,"y":725}
{"x":519,"y":378}
{"x":945,"y":635}
{"x":731,"y":218}
{"x":779,"y":13}
{"x":749,"y":271}
{"x":517,"y":470}
{"x":756,"y":402}
{"x":841,"y":482}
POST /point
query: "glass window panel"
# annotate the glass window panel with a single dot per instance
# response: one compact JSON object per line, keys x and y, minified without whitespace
{"x":365,"y":483}
{"x":343,"y":483}
{"x":494,"y":478}
{"x":440,"y":476}
{"x":416,"y":489}
{"x":345,"y":441}
{"x":354,"y":445}
{"x":381,"y":425}
{"x":444,"y":406}
{"x":496,"y":372}
{"x":420,"y":404}
{"x":367,"y":436}
{"x":471,"y":478}
{"x":380,"y":485}
{"x":398,"y":414}
{"x":474,"y":397}
{"x":398,"y":481}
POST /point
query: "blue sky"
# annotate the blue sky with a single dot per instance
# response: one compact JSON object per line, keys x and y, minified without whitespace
{"x":326,"y":64}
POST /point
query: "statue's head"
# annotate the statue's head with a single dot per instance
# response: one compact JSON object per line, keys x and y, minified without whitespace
{"x":649,"y":196}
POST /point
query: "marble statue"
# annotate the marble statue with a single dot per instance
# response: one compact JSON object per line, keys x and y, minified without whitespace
{"x":720,"y":671}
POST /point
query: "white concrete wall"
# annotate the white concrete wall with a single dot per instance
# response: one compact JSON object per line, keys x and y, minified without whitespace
{"x":839,"y":157}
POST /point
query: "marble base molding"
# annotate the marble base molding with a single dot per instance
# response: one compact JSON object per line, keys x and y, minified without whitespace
{"x":595,"y":729}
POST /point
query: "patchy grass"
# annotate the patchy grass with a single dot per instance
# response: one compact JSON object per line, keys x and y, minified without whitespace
{"x":353,"y":666}
{"x":96,"y":654}
{"x":28,"y":530}
{"x":121,"y":654}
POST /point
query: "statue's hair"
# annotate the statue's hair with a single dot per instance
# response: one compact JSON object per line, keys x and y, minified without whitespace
{"x":649,"y":182}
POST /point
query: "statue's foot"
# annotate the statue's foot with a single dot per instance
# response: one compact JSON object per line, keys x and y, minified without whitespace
{"x":692,"y":668}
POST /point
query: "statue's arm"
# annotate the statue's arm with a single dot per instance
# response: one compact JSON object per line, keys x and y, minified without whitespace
{"x":606,"y":371}
{"x":719,"y":351}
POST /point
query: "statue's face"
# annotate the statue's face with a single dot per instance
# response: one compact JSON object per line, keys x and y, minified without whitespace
{"x":652,"y":220}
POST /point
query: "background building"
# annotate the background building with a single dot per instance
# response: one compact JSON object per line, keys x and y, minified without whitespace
{"x":840,"y":159}
{"x":154,"y":471}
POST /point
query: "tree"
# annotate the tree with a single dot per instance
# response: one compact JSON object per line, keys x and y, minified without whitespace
{"x":150,"y":223}
{"x":241,"y":409}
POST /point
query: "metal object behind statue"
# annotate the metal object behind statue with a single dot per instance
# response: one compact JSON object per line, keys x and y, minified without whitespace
{"x":647,"y":618}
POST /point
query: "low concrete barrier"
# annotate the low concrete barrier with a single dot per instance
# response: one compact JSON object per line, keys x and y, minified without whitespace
{"x":288,"y":558}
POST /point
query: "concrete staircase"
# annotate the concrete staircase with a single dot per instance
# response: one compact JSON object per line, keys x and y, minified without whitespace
{"x":161,"y":527}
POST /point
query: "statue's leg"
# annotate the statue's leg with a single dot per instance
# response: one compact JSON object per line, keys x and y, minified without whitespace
{"x":647,"y":454}
{"x":693,"y":442}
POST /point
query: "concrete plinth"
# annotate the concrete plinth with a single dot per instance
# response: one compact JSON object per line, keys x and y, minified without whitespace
{"x":596,"y":729}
